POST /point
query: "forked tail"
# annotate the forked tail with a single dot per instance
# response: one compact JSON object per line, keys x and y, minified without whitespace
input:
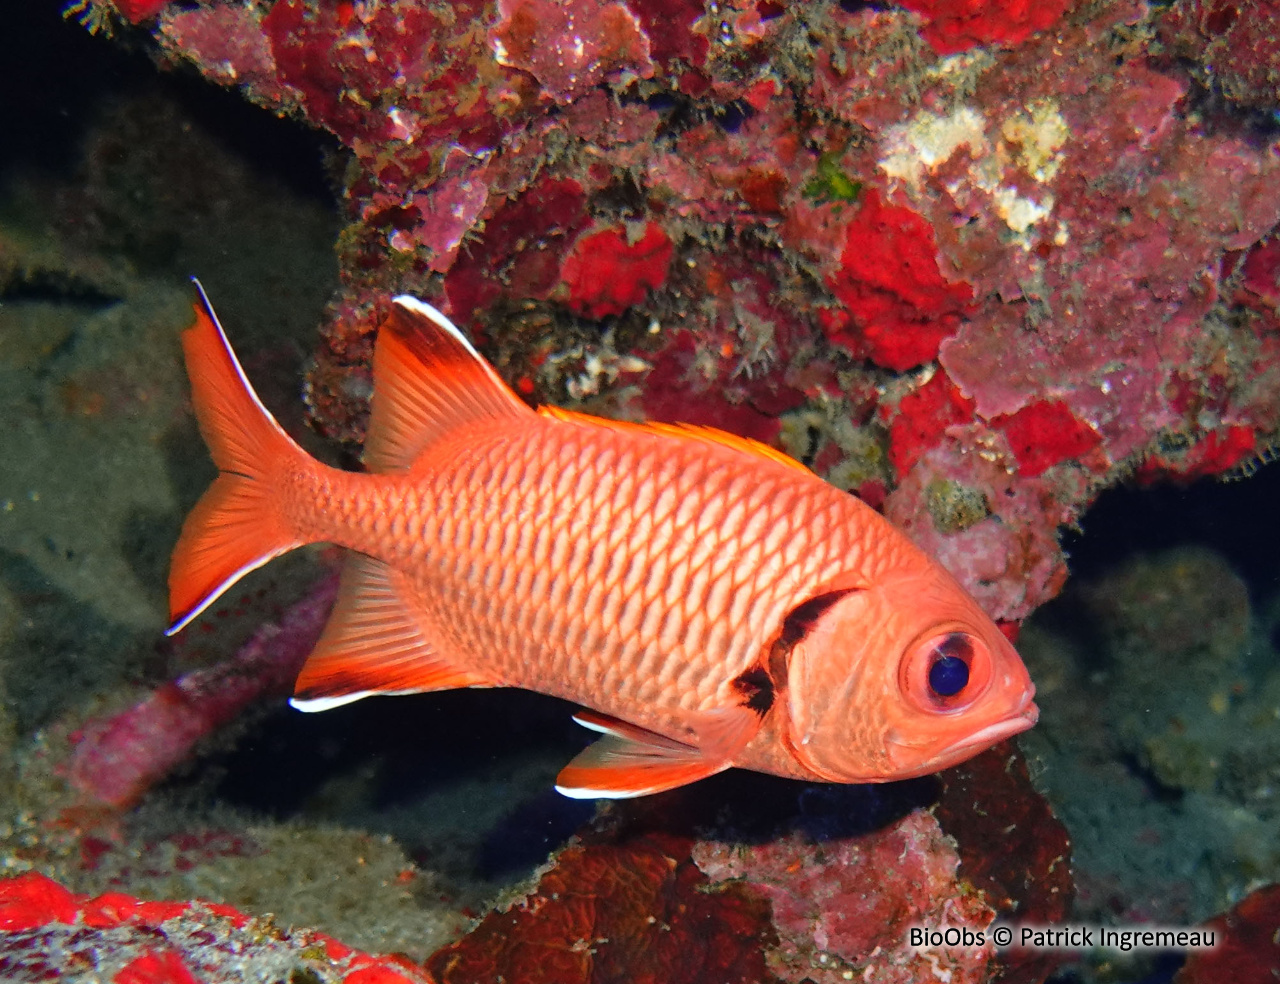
{"x":236,"y":526}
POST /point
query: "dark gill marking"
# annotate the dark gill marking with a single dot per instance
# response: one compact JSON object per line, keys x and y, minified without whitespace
{"x":757,"y":687}
{"x":799,"y":623}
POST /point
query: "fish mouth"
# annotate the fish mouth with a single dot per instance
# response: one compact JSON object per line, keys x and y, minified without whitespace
{"x":1026,"y":715}
{"x":999,"y":731}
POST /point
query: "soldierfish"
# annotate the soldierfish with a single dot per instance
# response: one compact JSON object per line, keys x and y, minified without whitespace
{"x":709,"y":601}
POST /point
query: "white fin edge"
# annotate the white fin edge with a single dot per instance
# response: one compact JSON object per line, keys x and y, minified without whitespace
{"x":216,"y":593}
{"x":594,"y":726}
{"x":315,"y":705}
{"x":587,"y":794}
{"x":434,"y":315}
{"x":231,"y":353}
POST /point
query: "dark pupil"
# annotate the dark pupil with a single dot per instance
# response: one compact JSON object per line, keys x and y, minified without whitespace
{"x":948,"y":676}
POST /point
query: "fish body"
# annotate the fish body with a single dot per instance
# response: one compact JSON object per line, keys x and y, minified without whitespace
{"x":708,"y":600}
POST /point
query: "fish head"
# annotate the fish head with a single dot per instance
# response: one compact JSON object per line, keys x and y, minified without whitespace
{"x":902,"y":679}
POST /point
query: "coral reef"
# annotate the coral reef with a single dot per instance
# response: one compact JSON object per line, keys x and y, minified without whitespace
{"x":975,"y":262}
{"x":691,"y":885}
{"x":812,"y":201}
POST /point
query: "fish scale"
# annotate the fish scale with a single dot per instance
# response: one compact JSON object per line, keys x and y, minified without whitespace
{"x":700,"y":569}
{"x":708,"y":601}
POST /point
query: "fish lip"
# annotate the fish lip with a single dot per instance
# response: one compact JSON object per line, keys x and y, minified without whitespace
{"x":1015,"y":724}
{"x":1024,"y":717}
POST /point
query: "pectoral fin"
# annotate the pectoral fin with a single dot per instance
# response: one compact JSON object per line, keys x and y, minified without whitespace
{"x":632,"y":761}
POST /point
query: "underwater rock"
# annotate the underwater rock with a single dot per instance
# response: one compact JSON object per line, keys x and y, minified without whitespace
{"x":827,"y":895}
{"x":1158,"y":743}
{"x":1248,"y":946}
{"x":1184,"y":616}
{"x":1013,"y":850}
{"x":1233,"y":44}
{"x":843,"y":908}
{"x":639,"y":910}
{"x":117,"y":759}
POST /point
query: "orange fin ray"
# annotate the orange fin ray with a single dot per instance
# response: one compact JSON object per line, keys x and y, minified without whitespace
{"x":690,"y":432}
{"x":429,"y":381}
{"x":633,"y":761}
{"x":372,"y":644}
{"x":234,"y":528}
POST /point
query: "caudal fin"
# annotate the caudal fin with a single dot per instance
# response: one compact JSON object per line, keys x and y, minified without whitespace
{"x":236,"y":526}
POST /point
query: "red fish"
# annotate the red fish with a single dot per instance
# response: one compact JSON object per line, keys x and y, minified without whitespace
{"x":707,"y":600}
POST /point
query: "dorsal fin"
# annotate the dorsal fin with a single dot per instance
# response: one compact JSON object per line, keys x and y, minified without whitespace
{"x":694,"y":432}
{"x":428,"y":380}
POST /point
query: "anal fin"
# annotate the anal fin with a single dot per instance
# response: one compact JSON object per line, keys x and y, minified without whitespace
{"x":633,"y":761}
{"x":373,"y":644}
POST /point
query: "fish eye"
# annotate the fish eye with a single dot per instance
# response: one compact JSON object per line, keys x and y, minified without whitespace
{"x":949,"y":667}
{"x":947,"y":671}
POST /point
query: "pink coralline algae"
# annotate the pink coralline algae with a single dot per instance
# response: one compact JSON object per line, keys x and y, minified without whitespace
{"x":978,"y":288}
{"x":819,"y":900}
{"x":48,"y":933}
{"x":116,"y":759}
{"x":568,"y":48}
{"x":1233,"y":43}
{"x":831,"y":928}
{"x":1260,"y":276}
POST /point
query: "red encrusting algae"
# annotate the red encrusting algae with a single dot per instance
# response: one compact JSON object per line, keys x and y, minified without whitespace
{"x":902,"y":305}
{"x":50,"y":933}
{"x":609,"y":270}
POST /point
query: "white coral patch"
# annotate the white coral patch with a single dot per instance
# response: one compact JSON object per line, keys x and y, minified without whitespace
{"x":1030,"y":140}
{"x":929,"y":139}
{"x":1036,"y":136}
{"x":1020,"y":213}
